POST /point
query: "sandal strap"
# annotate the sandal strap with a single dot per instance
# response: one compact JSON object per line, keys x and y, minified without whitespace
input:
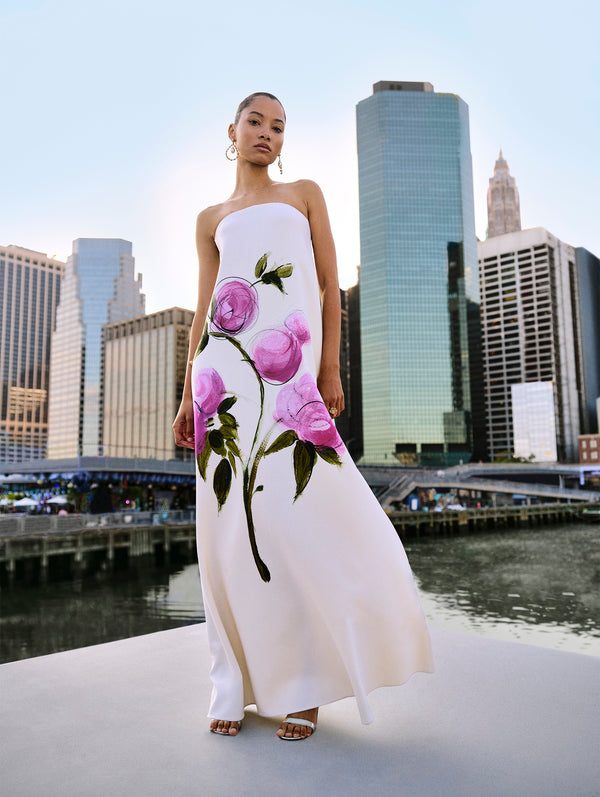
{"x":298,"y":721}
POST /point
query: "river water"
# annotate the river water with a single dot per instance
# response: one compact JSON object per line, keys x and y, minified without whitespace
{"x":539,"y":586}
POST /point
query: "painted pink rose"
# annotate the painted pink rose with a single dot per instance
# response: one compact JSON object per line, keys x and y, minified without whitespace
{"x":277,"y":353}
{"x":209,"y":391}
{"x":299,"y":406}
{"x":235,"y":306}
{"x":298,"y":326}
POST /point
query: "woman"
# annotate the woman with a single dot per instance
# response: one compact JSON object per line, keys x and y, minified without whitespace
{"x":308,"y":594}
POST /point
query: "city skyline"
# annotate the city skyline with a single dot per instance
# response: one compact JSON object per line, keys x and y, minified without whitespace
{"x":132,"y":145}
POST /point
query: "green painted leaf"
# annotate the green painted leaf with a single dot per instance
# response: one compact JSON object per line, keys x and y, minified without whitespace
{"x":226,"y":404}
{"x":285,"y":270}
{"x":222,"y":481}
{"x":285,"y":439}
{"x":233,"y":447}
{"x":329,"y":455}
{"x":203,"y":458}
{"x":305,"y":457}
{"x":261,"y":266}
{"x":227,"y":419}
{"x":229,"y":432}
{"x":231,"y":459}
{"x":259,"y":489}
{"x":217,"y":442}
{"x":271,"y":278}
{"x":203,"y":340}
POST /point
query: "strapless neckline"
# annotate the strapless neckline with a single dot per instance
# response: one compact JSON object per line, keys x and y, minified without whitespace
{"x":259,"y":205}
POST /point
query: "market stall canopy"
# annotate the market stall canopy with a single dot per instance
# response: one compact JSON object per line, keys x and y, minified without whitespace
{"x":26,"y":502}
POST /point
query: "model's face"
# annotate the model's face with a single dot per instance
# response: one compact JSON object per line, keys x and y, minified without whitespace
{"x":258,"y":135}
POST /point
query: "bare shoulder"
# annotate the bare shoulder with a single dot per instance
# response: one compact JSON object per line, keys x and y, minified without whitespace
{"x":208,"y":219}
{"x":308,"y":190}
{"x":305,"y":195}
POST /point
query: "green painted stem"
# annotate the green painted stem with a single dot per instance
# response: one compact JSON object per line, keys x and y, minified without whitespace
{"x":262,"y":568}
{"x":250,"y":478}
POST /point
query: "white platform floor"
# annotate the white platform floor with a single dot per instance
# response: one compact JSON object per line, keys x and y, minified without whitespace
{"x":128,"y":718}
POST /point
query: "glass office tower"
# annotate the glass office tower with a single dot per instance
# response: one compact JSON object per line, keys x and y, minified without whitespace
{"x":418,"y":277}
{"x":99,"y":288}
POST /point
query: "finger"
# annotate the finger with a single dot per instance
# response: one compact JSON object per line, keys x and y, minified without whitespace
{"x":189,"y":429}
{"x":181,"y":440}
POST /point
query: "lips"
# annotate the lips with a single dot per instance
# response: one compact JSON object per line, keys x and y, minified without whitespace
{"x":262,"y":147}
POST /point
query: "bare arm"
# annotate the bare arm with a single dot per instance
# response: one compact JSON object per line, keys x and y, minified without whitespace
{"x":328,"y":380}
{"x":208,"y":259}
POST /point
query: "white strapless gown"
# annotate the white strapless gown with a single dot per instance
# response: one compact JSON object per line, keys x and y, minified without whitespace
{"x":308,"y":593}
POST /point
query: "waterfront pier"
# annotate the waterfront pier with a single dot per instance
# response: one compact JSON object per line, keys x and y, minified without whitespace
{"x":415,"y":524}
{"x":35,"y":549}
{"x":38,"y":548}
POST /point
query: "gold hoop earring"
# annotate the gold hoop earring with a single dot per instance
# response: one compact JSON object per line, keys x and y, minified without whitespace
{"x":233,"y":150}
{"x":280,"y":164}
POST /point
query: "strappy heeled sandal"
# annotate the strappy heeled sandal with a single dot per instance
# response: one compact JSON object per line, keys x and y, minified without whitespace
{"x":298,"y":721}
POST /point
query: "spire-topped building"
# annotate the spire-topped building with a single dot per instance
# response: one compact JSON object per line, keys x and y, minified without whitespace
{"x":504,"y":212}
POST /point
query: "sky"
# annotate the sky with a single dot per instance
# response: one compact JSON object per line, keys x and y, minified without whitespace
{"x":115,"y":113}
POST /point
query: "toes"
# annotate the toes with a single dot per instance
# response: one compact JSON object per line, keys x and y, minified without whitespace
{"x":287,"y":730}
{"x":225,"y":726}
{"x":290,"y":730}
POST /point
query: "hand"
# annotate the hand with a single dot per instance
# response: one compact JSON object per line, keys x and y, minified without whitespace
{"x":330,"y":388}
{"x":183,"y":425}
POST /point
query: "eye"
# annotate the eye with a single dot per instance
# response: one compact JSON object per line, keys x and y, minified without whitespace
{"x":254,"y":121}
{"x":278,"y":129}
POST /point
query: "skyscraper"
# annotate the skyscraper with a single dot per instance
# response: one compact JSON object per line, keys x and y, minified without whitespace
{"x":29,"y":293}
{"x":531,"y":332}
{"x":99,"y":288}
{"x":145,"y":362}
{"x":418,"y":275}
{"x":588,"y":281}
{"x":504,"y":211}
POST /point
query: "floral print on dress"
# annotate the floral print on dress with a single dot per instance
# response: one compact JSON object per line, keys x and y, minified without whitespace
{"x":235,"y":306}
{"x":275,"y":359}
{"x":277,"y":353}
{"x":208,"y":394}
{"x":301,"y":408}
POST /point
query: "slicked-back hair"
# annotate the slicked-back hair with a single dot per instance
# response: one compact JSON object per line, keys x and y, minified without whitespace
{"x":250,"y":99}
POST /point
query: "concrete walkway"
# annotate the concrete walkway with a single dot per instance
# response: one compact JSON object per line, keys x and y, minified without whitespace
{"x":128,"y":718}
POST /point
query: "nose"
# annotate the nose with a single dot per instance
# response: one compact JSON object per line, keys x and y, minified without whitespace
{"x":265,"y":135}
